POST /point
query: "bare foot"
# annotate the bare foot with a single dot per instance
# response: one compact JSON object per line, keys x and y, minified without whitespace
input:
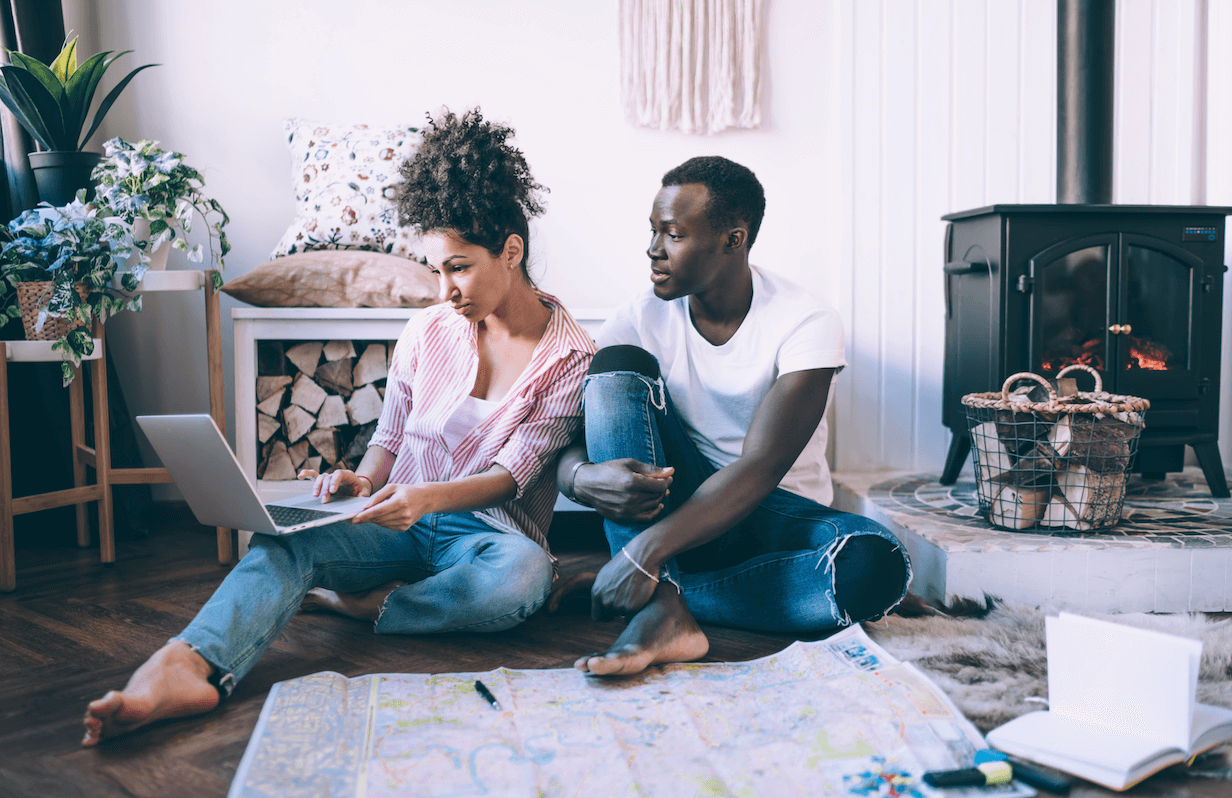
{"x":663,"y":631}
{"x":171,"y":684}
{"x":575,"y":589}
{"x":366,"y":606}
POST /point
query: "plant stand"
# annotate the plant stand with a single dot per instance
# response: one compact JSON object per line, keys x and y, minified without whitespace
{"x":98,"y":456}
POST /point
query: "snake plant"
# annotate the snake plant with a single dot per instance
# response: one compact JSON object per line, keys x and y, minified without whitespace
{"x":52,"y":101}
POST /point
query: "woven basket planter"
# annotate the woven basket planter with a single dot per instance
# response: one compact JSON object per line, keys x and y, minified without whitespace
{"x":33,"y":297}
{"x":1056,"y":464}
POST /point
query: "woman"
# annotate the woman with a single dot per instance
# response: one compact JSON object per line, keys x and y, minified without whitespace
{"x":483,"y":389}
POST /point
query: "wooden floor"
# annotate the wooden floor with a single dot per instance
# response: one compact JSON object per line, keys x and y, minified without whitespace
{"x":75,"y":628}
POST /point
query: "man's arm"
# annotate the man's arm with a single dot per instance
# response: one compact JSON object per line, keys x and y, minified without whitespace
{"x":623,"y":490}
{"x":780,"y":429}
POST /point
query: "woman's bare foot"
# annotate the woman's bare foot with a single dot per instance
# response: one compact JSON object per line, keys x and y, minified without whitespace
{"x":663,"y":631}
{"x":171,"y":684}
{"x":366,"y":606}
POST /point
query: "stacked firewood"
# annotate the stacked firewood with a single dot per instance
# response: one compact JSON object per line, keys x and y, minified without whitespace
{"x":317,"y":403}
{"x":1055,"y":461}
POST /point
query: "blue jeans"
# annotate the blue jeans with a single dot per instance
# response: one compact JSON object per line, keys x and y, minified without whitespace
{"x":791,"y":566}
{"x":460,"y":574}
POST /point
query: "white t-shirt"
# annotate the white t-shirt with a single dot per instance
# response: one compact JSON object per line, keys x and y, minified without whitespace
{"x":717,"y":389}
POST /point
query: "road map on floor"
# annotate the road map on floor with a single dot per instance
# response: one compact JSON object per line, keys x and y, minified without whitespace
{"x":839,"y":716}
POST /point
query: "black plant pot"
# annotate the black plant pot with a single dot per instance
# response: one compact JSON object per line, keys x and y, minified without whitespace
{"x":60,"y":173}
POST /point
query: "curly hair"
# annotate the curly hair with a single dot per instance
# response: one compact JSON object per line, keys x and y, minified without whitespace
{"x":465,"y":177}
{"x":736,"y":195}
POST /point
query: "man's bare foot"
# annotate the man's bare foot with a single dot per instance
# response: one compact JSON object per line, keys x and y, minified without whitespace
{"x":366,"y":606}
{"x":171,"y":684}
{"x":663,"y":631}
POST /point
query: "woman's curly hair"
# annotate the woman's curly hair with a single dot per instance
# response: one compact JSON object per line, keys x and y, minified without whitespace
{"x":467,"y":178}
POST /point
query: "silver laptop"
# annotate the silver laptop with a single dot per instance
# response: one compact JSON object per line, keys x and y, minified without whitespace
{"x":206,"y":472}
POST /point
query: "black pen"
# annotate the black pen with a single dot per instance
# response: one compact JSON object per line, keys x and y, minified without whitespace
{"x":482,"y":689}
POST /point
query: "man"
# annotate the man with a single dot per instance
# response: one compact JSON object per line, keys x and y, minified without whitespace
{"x":705,"y":445}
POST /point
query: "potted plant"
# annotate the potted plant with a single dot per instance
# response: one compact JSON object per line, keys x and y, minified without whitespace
{"x":57,"y":269}
{"x":52,"y":102}
{"x":156,"y":192}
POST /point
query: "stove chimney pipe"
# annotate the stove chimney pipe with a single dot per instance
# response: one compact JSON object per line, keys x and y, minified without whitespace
{"x":1086,"y":39}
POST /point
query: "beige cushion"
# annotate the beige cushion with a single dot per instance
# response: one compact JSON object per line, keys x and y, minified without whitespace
{"x":342,"y":278}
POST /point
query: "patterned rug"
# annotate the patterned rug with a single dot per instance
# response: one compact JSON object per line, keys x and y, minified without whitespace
{"x":1177,"y":511}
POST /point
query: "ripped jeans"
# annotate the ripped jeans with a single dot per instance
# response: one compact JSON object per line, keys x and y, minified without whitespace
{"x":460,"y":574}
{"x":791,"y":566}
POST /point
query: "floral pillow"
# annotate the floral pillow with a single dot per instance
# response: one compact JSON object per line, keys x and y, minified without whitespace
{"x":344,"y":178}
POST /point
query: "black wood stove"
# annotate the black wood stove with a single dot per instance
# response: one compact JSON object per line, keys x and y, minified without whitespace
{"x":1135,"y":292}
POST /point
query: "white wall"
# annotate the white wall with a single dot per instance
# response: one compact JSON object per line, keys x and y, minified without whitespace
{"x":946,"y":106}
{"x":880,"y":117}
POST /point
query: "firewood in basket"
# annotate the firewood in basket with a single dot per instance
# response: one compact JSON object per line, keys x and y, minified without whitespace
{"x":279,"y":465}
{"x":1034,"y":469}
{"x":296,"y":422}
{"x":371,"y":366}
{"x":326,"y":441}
{"x":307,"y":394}
{"x":298,"y":453}
{"x":335,"y":376}
{"x":337,"y":350}
{"x":994,"y":460}
{"x":1019,"y":431}
{"x":267,"y":386}
{"x":1086,"y":499}
{"x":333,"y":413}
{"x":305,"y":356}
{"x":1059,"y":435}
{"x":1019,"y":507}
{"x":365,"y":405}
{"x":1100,"y":444}
{"x":266,"y":427}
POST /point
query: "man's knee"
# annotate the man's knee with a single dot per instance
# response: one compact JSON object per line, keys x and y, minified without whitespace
{"x":625,"y":357}
{"x":870,"y":577}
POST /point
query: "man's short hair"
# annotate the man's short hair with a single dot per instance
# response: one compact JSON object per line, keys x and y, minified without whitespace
{"x":736,"y":194}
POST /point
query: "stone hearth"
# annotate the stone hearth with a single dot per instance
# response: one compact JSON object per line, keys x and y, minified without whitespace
{"x":1171,"y":552}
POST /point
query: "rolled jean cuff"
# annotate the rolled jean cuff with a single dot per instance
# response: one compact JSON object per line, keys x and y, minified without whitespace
{"x":224,"y":683}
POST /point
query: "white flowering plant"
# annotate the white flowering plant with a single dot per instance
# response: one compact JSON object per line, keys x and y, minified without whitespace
{"x":144,"y":181}
{"x":77,"y":249}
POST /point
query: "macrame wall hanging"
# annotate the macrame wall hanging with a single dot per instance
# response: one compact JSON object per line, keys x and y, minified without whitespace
{"x":691,"y":65}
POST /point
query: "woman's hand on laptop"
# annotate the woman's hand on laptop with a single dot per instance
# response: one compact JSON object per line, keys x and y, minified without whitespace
{"x":398,"y":507}
{"x":342,"y":482}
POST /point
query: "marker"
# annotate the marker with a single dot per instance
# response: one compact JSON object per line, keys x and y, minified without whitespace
{"x":983,"y":775}
{"x":482,"y":689}
{"x":1026,"y":772}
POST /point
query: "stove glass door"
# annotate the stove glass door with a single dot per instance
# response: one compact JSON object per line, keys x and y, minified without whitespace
{"x":1153,"y":328}
{"x":1071,"y":301}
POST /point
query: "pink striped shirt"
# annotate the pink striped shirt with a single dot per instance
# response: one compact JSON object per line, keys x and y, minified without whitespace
{"x":433,"y":369}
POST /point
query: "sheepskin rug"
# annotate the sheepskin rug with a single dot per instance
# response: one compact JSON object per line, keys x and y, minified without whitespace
{"x":992,"y":665}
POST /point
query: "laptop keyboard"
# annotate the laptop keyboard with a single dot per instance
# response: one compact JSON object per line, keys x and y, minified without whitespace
{"x":290,"y":516}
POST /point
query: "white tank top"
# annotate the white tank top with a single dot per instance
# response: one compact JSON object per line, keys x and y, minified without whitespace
{"x":470,"y":414}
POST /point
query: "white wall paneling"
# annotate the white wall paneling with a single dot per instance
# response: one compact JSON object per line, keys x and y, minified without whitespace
{"x":879,"y":117}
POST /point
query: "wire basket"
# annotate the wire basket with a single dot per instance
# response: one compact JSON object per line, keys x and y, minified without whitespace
{"x":1059,"y":463}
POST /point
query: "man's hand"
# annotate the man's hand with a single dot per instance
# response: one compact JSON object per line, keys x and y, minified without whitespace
{"x":624,"y":490}
{"x":620,"y":589}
